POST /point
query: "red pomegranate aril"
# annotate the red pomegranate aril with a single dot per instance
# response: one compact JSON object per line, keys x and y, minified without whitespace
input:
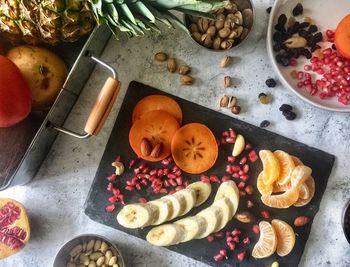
{"x":113,"y":199}
{"x":235,"y":168}
{"x":243,"y":161}
{"x":252,"y":156}
{"x":115,"y":191}
{"x":131,"y":163}
{"x":172,"y":182}
{"x":223,"y":252}
{"x":160,"y":173}
{"x":231,"y":159}
{"x":250,"y":204}
{"x":110,"y":208}
{"x":230,"y":140}
{"x":165,"y":171}
{"x":241,"y":185}
{"x":225,"y":178}
{"x":179,"y":180}
{"x":121,"y":199}
{"x":166,"y":183}
{"x":112,"y":177}
{"x":242,"y":193}
{"x":171,"y":176}
{"x":300,"y":85}
{"x":256,"y":229}
{"x":153,"y":172}
{"x":163,"y":191}
{"x":165,"y":162}
{"x":142,"y":200}
{"x":180,"y":187}
{"x":236,"y":175}
{"x":129,"y":188}
{"x":249,"y":189}
{"x":300,"y":75}
{"x":241,"y":256}
{"x":178,"y":173}
{"x":214,"y":179}
{"x":223,"y":141}
{"x":229,"y":239}
{"x":138,"y":186}
{"x":248,"y":146}
{"x":210,"y":238}
{"x":236,"y":232}
{"x":232,"y":133}
{"x":246,"y":241}
{"x":219,"y":234}
{"x":231,"y":246}
{"x":293,"y":62}
{"x":228,"y":169}
{"x":186,"y":183}
{"x":235,"y":239}
{"x":205,"y":179}
{"x":246,"y":168}
{"x":146,"y":170}
{"x":218,"y":257}
{"x":175,"y":169}
{"x":225,"y":134}
{"x":137,"y":171}
{"x":171,"y":192}
{"x":144,"y":182}
{"x":109,"y":187}
{"x":244,"y":177}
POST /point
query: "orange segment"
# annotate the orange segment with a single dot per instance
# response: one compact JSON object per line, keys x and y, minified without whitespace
{"x":282,"y":201}
{"x":157,"y":102}
{"x":304,"y":191}
{"x":285,"y":237}
{"x":194,"y":148}
{"x":158,"y":127}
{"x":286,"y":166}
{"x":281,"y":188}
{"x":267,"y":243}
{"x":310,"y":183}
{"x":297,"y":161}
{"x":300,"y":174}
{"x":271,"y":166}
{"x":263,"y":188}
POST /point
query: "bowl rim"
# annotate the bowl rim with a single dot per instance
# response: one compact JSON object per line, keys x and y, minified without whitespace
{"x":345,"y":210}
{"x":224,"y":50}
{"x":94,"y":236}
{"x":270,"y":52}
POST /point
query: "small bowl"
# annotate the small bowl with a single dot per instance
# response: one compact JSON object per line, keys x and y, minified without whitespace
{"x":346,"y":221}
{"x":242,"y":5}
{"x":63,"y":257}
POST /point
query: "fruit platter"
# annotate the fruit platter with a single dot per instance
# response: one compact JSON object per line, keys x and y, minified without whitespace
{"x":174,"y":133}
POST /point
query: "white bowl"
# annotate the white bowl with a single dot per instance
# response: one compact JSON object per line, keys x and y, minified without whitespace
{"x":326,"y":14}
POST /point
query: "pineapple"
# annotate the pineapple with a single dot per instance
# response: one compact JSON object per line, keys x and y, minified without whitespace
{"x":54,"y":21}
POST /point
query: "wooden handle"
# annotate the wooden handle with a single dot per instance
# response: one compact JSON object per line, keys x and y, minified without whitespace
{"x":102,"y":106}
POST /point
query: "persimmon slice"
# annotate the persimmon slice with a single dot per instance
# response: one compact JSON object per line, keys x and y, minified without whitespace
{"x":194,"y":148}
{"x":342,"y":37}
{"x":157,"y":102}
{"x":158,"y":127}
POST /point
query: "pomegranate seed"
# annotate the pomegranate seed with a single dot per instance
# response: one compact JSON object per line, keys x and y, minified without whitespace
{"x":165,"y":171}
{"x":218,"y":257}
{"x":210,"y":238}
{"x":232,"y":246}
{"x":246,"y":241}
{"x":223,"y":141}
{"x":172,"y":182}
{"x":109,"y":187}
{"x":231,"y":159}
{"x":180,"y":187}
{"x":241,"y":185}
{"x":113,"y":199}
{"x":178,"y":173}
{"x":252,"y":156}
{"x":171,"y":192}
{"x":219,"y":235}
{"x":115,"y":191}
{"x":225,"y":178}
{"x":236,"y":239}
{"x":165,"y":162}
{"x":129,"y":188}
{"x":232,"y":133}
{"x":131,"y":163}
{"x":214,"y":179}
{"x":186,"y":183}
{"x":163,"y":191}
{"x":137,"y":171}
{"x":121,"y":199}
{"x":241,"y":256}
{"x":249,"y":189}
{"x":179,"y":180}
{"x":142,"y":200}
{"x":248,"y":146}
{"x":245,"y":168}
{"x":236,"y":232}
{"x":110,"y":208}
{"x":235,"y":168}
{"x":171,"y":176}
{"x":230,"y":140}
{"x":235,"y":175}
{"x":256,"y":229}
{"x":112,"y":177}
{"x":265,"y":214}
{"x":250,"y":204}
{"x":244,"y":177}
{"x":293,"y":62}
{"x":225,"y":134}
{"x":243,"y":161}
{"x":242,"y":193}
{"x":138,"y":186}
{"x":205,"y":179}
{"x":229,"y":239}
{"x":223,"y":252}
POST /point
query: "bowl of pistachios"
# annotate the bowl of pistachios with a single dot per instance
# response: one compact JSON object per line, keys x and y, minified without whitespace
{"x":89,"y":250}
{"x":231,"y":26}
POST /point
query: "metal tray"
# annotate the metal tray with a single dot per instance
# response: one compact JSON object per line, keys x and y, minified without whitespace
{"x":24,"y":146}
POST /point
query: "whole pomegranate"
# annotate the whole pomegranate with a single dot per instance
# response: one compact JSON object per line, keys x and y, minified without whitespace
{"x":14,"y":227}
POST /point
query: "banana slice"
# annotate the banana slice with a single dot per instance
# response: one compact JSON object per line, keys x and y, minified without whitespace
{"x":166,"y":235}
{"x":178,"y":202}
{"x":229,"y":189}
{"x":227,"y":208}
{"x":213,"y":216}
{"x":166,"y":210}
{"x":202,"y":190}
{"x":190,"y":199}
{"x":138,"y":215}
{"x":193,"y":226}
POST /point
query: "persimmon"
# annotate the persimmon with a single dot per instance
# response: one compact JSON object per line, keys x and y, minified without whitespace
{"x":157,"y":102}
{"x":194,"y":148}
{"x":342,"y":37}
{"x":157,"y":127}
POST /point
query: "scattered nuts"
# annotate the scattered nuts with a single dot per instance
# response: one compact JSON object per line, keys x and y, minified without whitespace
{"x":226,"y":61}
{"x":232,"y":100}
{"x":226,"y":44}
{"x":245,"y":217}
{"x":160,"y":56}
{"x":145,"y":147}
{"x":301,"y":220}
{"x":184,"y":69}
{"x":224,"y":101}
{"x":275,"y":264}
{"x":227,"y":81}
{"x":236,"y":110}
{"x":119,"y":170}
{"x":157,"y":150}
{"x":238,"y":146}
{"x":186,"y":80}
{"x":171,"y":65}
{"x":296,"y":42}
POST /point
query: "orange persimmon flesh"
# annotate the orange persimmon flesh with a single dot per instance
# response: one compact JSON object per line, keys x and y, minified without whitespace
{"x":157,"y":102}
{"x":194,"y":148}
{"x":342,"y":37}
{"x":158,"y":127}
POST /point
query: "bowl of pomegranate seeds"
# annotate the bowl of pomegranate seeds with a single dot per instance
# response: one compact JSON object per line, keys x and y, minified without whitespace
{"x":301,"y":43}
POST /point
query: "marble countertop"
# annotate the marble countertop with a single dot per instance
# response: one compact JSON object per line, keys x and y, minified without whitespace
{"x":55,"y":198}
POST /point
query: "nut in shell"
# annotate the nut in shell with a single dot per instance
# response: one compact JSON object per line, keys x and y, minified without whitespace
{"x":184,"y":69}
{"x":197,"y":36}
{"x":211,"y":31}
{"x":239,"y":18}
{"x":94,"y":256}
{"x":244,"y":33}
{"x":224,"y":101}
{"x":238,"y":30}
{"x":219,"y":24}
{"x":76,"y":250}
{"x":217,"y":43}
{"x":97,"y":245}
{"x":160,"y":56}
{"x":225,"y":32}
{"x":193,"y":28}
{"x":186,"y":80}
{"x":227,"y":81}
{"x":233,"y":35}
{"x":112,"y":261}
{"x":206,"y":40}
{"x":227,"y":44}
{"x":296,"y":42}
{"x":232,"y":100}
{"x":119,"y":170}
{"x":203,"y":24}
{"x":171,"y":65}
{"x":245,"y":217}
{"x":226,"y":61}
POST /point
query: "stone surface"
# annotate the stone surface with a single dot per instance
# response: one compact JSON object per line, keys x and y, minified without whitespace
{"x":56,"y":197}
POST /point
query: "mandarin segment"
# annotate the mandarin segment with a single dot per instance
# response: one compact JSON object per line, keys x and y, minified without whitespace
{"x":285,"y":237}
{"x":310,"y":183}
{"x":281,"y":188}
{"x":300,"y":174}
{"x":286,"y":166}
{"x":262,"y":187}
{"x":282,"y":201}
{"x":267,"y":243}
{"x":271,"y":166}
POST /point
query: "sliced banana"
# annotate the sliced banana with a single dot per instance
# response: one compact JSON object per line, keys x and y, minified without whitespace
{"x":213,"y":216}
{"x":229,"y":189}
{"x":202,"y":190}
{"x":166,"y":235}
{"x":190,"y":199}
{"x":227,"y":209}
{"x":138,"y":215}
{"x":193,"y":226}
{"x":178,"y":202}
{"x":166,"y":210}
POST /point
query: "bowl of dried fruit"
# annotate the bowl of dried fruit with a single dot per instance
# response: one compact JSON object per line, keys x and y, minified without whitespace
{"x":229,"y":29}
{"x":89,"y":250}
{"x":307,"y":52}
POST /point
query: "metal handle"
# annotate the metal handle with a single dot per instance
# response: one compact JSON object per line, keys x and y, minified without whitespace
{"x":102,"y":107}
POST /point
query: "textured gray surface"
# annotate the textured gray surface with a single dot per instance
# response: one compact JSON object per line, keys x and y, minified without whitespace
{"x":55,"y":198}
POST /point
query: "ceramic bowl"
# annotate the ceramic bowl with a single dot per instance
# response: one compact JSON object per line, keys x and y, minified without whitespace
{"x":326,"y":15}
{"x":346,"y":221}
{"x":63,"y":256}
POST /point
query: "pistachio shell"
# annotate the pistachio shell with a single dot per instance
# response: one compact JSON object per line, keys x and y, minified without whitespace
{"x":193,"y":28}
{"x":211,"y":30}
{"x":97,"y":245}
{"x":247,"y":18}
{"x":172,"y":65}
{"x":90,"y":244}
{"x":186,"y":80}
{"x":216,"y":43}
{"x":196,"y":36}
{"x":113,"y":261}
{"x":94,"y":256}
{"x":225,"y":32}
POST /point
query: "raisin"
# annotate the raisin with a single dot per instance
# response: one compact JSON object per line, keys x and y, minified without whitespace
{"x":264,"y":124}
{"x":286,"y":107}
{"x":304,"y":25}
{"x":298,"y":10}
{"x":282,"y":19}
{"x":306,"y":53}
{"x":278,"y":37}
{"x":268,"y":10}
{"x":314,"y":48}
{"x":280,"y":28}
{"x":312,"y":29}
{"x":334,"y":47}
{"x":270,"y":83}
{"x":285,"y":61}
{"x":304,"y":33}
{"x":318,"y":37}
{"x":289,"y":115}
{"x":277,"y":47}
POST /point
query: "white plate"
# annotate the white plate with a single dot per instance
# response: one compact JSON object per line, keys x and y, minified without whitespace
{"x":326,"y":14}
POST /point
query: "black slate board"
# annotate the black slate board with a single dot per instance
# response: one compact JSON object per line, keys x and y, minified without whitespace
{"x":201,"y":250}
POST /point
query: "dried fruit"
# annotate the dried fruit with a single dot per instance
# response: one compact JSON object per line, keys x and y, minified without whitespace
{"x":236,"y":109}
{"x":184,"y":69}
{"x":264,"y":124}
{"x":264,"y":99}
{"x":245,"y":217}
{"x":171,"y":65}
{"x":301,"y":221}
{"x":226,"y":61}
{"x":186,"y":80}
{"x":265,"y":214}
{"x":298,"y":10}
{"x":275,"y":264}
{"x":224,"y":101}
{"x":157,"y":150}
{"x":160,"y":56}
{"x":145,"y":147}
{"x":227,"y":81}
{"x":289,"y":115}
{"x":286,"y":107}
{"x":270,"y":83}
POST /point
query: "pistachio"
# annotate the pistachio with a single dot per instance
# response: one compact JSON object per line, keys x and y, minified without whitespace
{"x":108,"y":256}
{"x":184,"y":69}
{"x":90,"y":245}
{"x":239,"y":18}
{"x":84,"y":259}
{"x":219,"y":24}
{"x":291,"y":21}
{"x":233,"y":34}
{"x":232,"y":100}
{"x":186,"y":80}
{"x":247,"y":16}
{"x":112,"y":261}
{"x":296,"y":42}
{"x":76,"y":250}
{"x":100,"y":261}
{"x":160,"y":56}
{"x":206,"y":40}
{"x":224,"y":101}
{"x":196,"y":36}
{"x":104,"y":245}
{"x":203,"y":24}
{"x":226,"y":61}
{"x":216,"y":43}
{"x":193,"y":27}
{"x":211,"y":31}
{"x":94,"y":256}
{"x":221,"y":17}
{"x":119,"y":170}
{"x":226,"y":44}
{"x":227,"y":81}
{"x":245,"y":217}
{"x":244,"y":33}
{"x":97,"y":245}
{"x":229,"y":23}
{"x":171,"y":65}
{"x":223,"y":33}
{"x":157,"y":150}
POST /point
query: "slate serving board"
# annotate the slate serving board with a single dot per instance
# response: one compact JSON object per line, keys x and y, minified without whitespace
{"x":321,"y":163}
